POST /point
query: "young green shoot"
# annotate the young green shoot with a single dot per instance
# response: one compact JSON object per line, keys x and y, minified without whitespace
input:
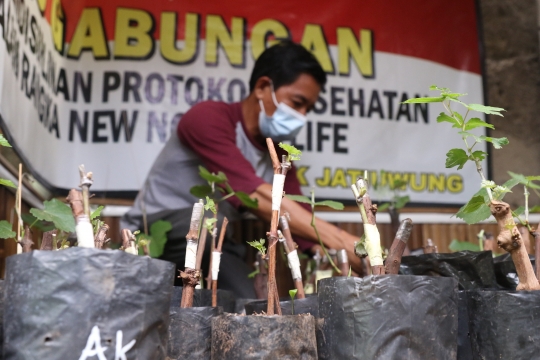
{"x":457,"y":157}
{"x":292,"y":294}
{"x":259,"y":245}
{"x":293,"y":154}
{"x":330,"y":203}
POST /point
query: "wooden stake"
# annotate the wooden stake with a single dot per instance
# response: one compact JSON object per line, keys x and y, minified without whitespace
{"x":218,"y":249}
{"x":510,"y":240}
{"x":393,"y":261}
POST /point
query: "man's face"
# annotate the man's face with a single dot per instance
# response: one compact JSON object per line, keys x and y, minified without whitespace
{"x":301,"y":95}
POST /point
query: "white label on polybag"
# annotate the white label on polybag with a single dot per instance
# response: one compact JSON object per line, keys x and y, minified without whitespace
{"x":294,"y":264}
{"x":277,"y":191}
{"x":191,"y":255}
{"x":373,"y":244}
{"x":216,"y":258}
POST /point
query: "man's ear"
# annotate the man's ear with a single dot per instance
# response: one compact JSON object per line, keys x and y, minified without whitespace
{"x":262,"y":85}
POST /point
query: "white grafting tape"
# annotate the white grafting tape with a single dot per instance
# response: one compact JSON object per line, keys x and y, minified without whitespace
{"x":294,"y":264}
{"x":196,"y":215}
{"x":216,"y":258}
{"x":85,"y":234}
{"x":373,"y":244}
{"x":277,"y":191}
{"x":191,"y":255}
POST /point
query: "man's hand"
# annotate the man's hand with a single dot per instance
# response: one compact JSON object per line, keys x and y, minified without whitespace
{"x":300,"y":224}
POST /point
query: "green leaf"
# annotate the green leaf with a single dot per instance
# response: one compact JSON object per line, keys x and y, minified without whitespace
{"x":56,"y":212}
{"x":423,"y":100}
{"x":478,"y":155}
{"x":359,"y":247}
{"x":456,"y":157}
{"x":534,"y":209}
{"x":292,"y":293}
{"x":96,"y":212}
{"x":259,"y":245}
{"x":480,"y":214}
{"x":398,"y":184}
{"x":457,"y":245}
{"x":246,"y":200}
{"x":474,"y":204}
{"x":4,"y":142}
{"x":331,"y":204}
{"x":43,"y":226}
{"x":486,"y":109}
{"x":7,"y":183}
{"x":383,"y":207}
{"x":401,"y":201}
{"x":209,"y":224}
{"x":525,"y":180}
{"x":213,"y":178}
{"x":201,"y":191}
{"x":5,"y":230}
{"x":158,"y":237}
{"x":497,"y":142}
{"x":300,"y":199}
{"x":294,"y":153}
{"x":445,"y":118}
{"x":210,"y":205}
{"x":252,"y":274}
{"x":476,"y":122}
{"x":520,"y":210}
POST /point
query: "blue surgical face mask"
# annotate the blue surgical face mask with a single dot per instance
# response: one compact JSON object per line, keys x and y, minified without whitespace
{"x":284,"y":124}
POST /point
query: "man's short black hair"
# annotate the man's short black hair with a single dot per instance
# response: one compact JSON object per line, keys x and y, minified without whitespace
{"x":284,"y":63}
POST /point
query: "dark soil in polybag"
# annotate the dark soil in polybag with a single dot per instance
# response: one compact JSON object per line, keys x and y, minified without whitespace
{"x":264,"y":337}
{"x":203,"y":298}
{"x":79,"y":301}
{"x":309,"y":305}
{"x":504,"y":324}
{"x":190,"y":333}
{"x":505,"y":271}
{"x":472,"y":269}
{"x":389,"y":317}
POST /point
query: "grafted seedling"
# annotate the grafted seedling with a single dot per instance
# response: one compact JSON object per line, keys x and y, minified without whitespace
{"x":488,"y":200}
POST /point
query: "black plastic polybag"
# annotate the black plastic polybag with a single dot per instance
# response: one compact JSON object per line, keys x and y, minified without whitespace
{"x":505,"y":271}
{"x":1,"y":319}
{"x":82,"y":303}
{"x":504,"y":324}
{"x":263,"y":337}
{"x":203,"y":298}
{"x":239,"y":307}
{"x":472,"y":270}
{"x":389,"y":317}
{"x":308,"y":305}
{"x":190,"y":333}
{"x":464,"y":351}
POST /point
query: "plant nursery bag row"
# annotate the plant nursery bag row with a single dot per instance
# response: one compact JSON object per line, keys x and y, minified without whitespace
{"x":83,"y":303}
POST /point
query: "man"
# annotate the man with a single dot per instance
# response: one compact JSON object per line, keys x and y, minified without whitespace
{"x":284,"y":87}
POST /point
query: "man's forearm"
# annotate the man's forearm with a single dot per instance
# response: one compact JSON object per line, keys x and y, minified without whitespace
{"x":300,"y":224}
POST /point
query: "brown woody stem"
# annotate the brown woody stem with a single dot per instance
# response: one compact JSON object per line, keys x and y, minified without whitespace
{"x":393,"y":261}
{"x":218,"y":249}
{"x":101,"y":236}
{"x":510,"y":240}
{"x":291,"y":246}
{"x":26,"y":242}
{"x":47,"y":240}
